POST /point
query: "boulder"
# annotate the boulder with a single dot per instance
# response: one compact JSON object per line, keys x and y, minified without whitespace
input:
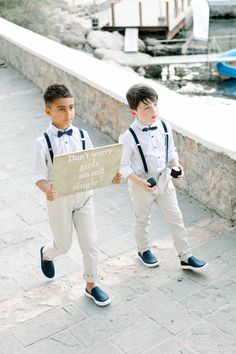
{"x":153,"y":71}
{"x":2,"y":64}
{"x":77,"y":28}
{"x":88,"y":49}
{"x":164,"y":49}
{"x":150,"y":41}
{"x":72,"y":40}
{"x":141,"y":71}
{"x":62,"y":4}
{"x":72,"y":34}
{"x":107,"y":40}
{"x":141,"y":46}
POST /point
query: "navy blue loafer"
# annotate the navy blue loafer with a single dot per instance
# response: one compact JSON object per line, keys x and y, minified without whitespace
{"x":148,"y":259}
{"x":47,"y":267}
{"x":99,"y":296}
{"x":193,"y":263}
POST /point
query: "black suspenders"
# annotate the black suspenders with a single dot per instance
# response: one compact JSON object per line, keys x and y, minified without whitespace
{"x":166,"y":139}
{"x":50,"y":145}
{"x":141,"y":150}
{"x":82,"y":138}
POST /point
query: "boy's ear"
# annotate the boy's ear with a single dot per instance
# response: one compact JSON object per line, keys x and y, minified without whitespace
{"x":133,"y":112}
{"x":47,"y":111}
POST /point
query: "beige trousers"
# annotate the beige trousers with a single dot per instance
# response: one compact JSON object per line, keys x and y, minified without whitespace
{"x":63,"y":213}
{"x":165,"y":198}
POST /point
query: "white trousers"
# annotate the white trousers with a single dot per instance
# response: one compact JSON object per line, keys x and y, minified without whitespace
{"x":165,"y":198}
{"x":63,"y":213}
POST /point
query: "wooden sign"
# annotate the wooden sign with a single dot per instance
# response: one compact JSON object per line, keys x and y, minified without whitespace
{"x":84,"y":170}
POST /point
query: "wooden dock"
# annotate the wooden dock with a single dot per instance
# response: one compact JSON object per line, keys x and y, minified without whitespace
{"x":160,"y":18}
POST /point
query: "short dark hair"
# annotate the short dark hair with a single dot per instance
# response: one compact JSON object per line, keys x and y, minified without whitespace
{"x":55,"y":91}
{"x":140,"y":93}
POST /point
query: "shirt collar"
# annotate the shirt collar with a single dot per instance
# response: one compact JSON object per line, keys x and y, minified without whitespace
{"x":55,"y":130}
{"x":141,"y":126}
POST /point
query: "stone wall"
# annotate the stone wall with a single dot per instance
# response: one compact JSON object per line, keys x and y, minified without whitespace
{"x":210,"y":174}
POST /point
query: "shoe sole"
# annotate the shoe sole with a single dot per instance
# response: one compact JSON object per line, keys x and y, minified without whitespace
{"x":194,"y":268}
{"x":149,"y":265}
{"x":99,"y":303}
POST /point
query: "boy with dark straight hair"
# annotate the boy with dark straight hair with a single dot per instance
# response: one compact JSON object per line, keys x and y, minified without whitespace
{"x":62,"y":137}
{"x":148,"y":150}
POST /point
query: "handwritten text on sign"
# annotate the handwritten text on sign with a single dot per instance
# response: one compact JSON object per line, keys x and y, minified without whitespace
{"x":84,"y":170}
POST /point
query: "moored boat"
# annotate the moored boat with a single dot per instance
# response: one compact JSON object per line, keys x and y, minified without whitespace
{"x":227,"y":68}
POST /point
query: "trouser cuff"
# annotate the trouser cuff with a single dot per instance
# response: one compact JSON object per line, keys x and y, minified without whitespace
{"x":90,"y":278}
{"x":184,"y":257}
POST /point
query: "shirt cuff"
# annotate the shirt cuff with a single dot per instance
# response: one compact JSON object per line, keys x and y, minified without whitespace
{"x":39,"y":178}
{"x":126,"y":171}
{"x":173,"y":156}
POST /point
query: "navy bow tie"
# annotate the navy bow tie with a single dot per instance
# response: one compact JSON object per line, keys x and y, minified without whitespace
{"x":68,"y":132}
{"x":149,"y":128}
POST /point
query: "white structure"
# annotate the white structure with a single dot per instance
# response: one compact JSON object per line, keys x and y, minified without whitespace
{"x":201,"y":15}
{"x":169,"y":14}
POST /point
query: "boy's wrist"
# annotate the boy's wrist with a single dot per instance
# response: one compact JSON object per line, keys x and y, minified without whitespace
{"x":174,"y":163}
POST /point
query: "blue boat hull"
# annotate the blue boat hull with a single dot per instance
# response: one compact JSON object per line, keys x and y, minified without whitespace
{"x":225,"y":68}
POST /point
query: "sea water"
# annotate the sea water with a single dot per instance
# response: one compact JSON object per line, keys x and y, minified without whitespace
{"x":202,"y":80}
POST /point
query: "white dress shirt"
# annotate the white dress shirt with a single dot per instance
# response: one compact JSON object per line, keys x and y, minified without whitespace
{"x":64,"y":144}
{"x":153,"y":146}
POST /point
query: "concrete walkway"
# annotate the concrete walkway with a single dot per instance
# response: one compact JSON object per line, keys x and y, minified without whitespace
{"x":161,"y":310}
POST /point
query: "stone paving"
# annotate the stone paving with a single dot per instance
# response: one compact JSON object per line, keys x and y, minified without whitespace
{"x":160,"y":310}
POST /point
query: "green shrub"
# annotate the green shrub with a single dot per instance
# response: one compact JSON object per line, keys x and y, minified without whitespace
{"x":36,"y":15}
